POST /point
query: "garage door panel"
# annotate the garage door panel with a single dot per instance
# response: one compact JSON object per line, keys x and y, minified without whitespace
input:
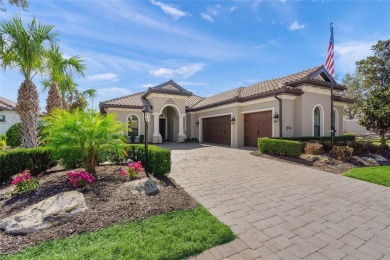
{"x":217,"y":130}
{"x":257,"y":125}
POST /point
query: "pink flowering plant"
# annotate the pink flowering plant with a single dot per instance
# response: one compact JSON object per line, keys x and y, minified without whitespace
{"x":80,"y":179}
{"x":24,"y":182}
{"x":133,"y":170}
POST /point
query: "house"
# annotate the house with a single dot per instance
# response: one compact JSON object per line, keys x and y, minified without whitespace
{"x":290,"y":106}
{"x":8,"y":115}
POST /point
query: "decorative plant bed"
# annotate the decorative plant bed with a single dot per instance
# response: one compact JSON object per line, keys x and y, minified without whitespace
{"x":109,"y":200}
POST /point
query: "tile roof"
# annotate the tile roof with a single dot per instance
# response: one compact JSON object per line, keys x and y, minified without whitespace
{"x":219,"y":98}
{"x":285,"y":84}
{"x":7,"y":104}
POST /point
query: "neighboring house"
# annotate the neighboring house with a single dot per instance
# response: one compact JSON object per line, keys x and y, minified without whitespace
{"x":294,"y":105}
{"x":8,"y":115}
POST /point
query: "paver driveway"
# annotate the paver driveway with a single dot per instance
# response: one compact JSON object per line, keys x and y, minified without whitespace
{"x":281,"y":210}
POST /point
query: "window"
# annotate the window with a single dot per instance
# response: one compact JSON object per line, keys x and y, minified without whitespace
{"x":133,"y":125}
{"x":2,"y":118}
{"x":317,"y":120}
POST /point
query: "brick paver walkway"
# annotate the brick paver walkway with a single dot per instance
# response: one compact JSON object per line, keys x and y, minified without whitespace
{"x":284,"y":211}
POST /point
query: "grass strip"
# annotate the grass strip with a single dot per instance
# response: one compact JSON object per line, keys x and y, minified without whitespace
{"x":379,"y":175}
{"x":174,"y":235}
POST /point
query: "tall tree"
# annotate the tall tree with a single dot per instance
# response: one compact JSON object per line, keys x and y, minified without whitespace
{"x":355,"y":90}
{"x":376,"y":69}
{"x":18,"y":3}
{"x":23,"y":48}
{"x":60,"y":71}
{"x":376,"y":114}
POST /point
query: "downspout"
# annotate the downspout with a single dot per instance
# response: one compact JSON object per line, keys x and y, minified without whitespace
{"x":280,"y":115}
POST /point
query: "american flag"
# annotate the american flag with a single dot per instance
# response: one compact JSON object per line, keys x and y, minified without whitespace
{"x":329,"y":63}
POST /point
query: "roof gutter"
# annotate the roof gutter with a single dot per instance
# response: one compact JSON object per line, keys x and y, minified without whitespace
{"x":280,"y":115}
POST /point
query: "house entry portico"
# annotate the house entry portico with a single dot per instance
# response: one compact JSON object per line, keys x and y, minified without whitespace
{"x":168,"y":123}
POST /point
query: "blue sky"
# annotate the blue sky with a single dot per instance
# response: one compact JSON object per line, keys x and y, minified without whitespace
{"x":205,"y":46}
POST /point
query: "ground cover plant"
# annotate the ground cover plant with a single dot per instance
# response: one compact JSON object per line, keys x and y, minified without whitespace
{"x":379,"y":175}
{"x":175,"y":235}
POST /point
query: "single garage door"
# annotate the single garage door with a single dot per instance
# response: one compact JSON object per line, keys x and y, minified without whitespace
{"x":257,"y":125}
{"x":217,"y":130}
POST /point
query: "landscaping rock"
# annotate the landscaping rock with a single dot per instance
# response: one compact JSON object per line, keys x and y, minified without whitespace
{"x":328,"y":160}
{"x":379,"y":158}
{"x":312,"y":158}
{"x":53,"y":211}
{"x":368,"y":161}
{"x":5,"y":193}
{"x":147,"y":186}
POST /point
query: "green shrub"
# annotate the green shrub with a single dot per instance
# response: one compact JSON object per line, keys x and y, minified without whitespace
{"x":13,"y":135}
{"x":362,"y":147}
{"x":159,"y":159}
{"x":314,"y":148}
{"x":342,"y":153}
{"x":2,"y":137}
{"x":2,"y":144}
{"x":279,"y":147}
{"x":35,"y":160}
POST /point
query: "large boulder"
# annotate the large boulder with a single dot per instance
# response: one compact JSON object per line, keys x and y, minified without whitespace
{"x":147,"y":186}
{"x":53,"y":211}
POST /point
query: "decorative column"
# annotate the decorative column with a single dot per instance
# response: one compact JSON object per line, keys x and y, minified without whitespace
{"x":181,"y":136}
{"x":156,"y":138}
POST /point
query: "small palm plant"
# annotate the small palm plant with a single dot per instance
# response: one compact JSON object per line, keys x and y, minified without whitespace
{"x":87,"y":133}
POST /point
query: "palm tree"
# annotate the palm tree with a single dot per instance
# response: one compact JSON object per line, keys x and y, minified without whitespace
{"x":23,"y":48}
{"x":60,"y":71}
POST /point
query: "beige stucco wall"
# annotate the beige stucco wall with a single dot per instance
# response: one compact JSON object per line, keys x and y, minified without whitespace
{"x":297,"y":116}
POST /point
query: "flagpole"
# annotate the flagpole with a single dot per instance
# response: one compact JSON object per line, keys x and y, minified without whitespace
{"x":331,"y":103}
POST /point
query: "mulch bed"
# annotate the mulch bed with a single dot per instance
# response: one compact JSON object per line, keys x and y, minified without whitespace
{"x":107,"y":204}
{"x":338,"y":167}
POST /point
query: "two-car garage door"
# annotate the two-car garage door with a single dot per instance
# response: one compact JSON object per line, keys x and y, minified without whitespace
{"x":218,"y":129}
{"x":257,"y":125}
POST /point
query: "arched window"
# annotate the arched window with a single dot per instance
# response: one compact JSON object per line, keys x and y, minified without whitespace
{"x":317,"y":122}
{"x":336,"y":121}
{"x":133,"y":125}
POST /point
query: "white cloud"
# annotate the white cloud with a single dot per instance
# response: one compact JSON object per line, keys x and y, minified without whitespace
{"x":148,"y":85}
{"x":189,"y":83}
{"x":184,"y":72}
{"x":348,"y":53}
{"x":207,"y":17}
{"x":232,"y":9}
{"x":296,"y":26}
{"x":113,"y":92}
{"x":173,"y":11}
{"x":211,"y":13}
{"x":103,"y":77}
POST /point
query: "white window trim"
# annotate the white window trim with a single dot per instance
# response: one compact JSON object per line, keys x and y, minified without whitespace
{"x":322,"y":119}
{"x":127,"y":124}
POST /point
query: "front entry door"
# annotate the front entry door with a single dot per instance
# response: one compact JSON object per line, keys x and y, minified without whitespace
{"x":162,"y":128}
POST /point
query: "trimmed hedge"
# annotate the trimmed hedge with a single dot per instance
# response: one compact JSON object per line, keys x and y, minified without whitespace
{"x":159,"y":159}
{"x":36,"y":160}
{"x":321,"y":139}
{"x":280,"y":147}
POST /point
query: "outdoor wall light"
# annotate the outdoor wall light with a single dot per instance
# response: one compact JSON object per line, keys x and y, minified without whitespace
{"x":276,"y":117}
{"x":233,"y":120}
{"x":197,"y":123}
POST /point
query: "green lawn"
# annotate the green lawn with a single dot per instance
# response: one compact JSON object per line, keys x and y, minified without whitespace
{"x":379,"y":175}
{"x":374,"y":140}
{"x":174,"y":235}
